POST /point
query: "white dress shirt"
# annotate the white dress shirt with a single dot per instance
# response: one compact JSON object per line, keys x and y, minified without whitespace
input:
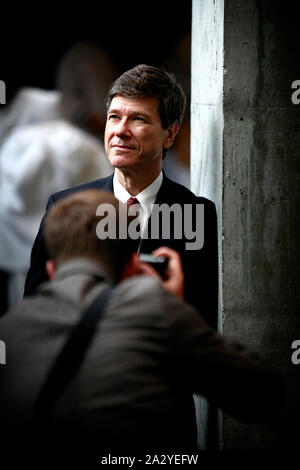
{"x":146,"y":198}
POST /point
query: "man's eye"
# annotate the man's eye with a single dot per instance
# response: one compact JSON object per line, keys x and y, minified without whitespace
{"x":112,"y":116}
{"x":139,"y":118}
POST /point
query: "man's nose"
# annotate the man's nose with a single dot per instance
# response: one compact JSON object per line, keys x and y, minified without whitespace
{"x":123,"y":128}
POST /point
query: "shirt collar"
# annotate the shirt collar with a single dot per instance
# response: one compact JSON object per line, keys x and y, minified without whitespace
{"x":81,"y":266}
{"x":145,"y":197}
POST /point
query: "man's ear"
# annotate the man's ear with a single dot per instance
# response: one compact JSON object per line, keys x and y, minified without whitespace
{"x":50,"y":268}
{"x":170,"y":135}
{"x":132,"y":267}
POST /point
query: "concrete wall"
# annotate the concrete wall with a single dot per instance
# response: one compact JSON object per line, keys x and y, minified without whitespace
{"x":207,"y":103}
{"x":254,"y":182}
{"x":261,"y":201}
{"x":206,"y":145}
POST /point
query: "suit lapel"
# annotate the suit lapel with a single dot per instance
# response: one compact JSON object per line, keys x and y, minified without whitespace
{"x":166,"y":192}
{"x":165,"y":195}
{"x":106,"y":183}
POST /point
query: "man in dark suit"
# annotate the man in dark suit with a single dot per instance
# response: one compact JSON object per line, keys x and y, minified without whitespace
{"x":145,"y":110}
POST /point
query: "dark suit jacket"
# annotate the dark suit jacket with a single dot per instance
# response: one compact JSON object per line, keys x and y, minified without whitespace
{"x":200,"y":267}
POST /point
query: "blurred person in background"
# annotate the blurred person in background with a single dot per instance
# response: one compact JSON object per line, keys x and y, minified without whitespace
{"x":84,"y":77}
{"x":49,"y":140}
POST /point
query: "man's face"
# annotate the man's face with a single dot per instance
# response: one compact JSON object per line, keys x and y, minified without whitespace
{"x":134,"y":136}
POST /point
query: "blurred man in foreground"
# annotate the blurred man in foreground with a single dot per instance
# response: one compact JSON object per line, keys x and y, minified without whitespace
{"x":150,"y":351}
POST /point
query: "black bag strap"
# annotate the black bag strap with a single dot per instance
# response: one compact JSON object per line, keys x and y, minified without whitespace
{"x":71,"y":356}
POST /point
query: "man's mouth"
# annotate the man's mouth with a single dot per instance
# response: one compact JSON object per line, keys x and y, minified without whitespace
{"x":122,"y":147}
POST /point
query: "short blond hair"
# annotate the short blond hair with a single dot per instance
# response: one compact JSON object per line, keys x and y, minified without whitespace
{"x":70,"y":231}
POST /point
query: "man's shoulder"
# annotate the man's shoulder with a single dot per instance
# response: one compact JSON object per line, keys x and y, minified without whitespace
{"x":102,"y":183}
{"x":180,"y":193}
{"x":28,"y":313}
{"x":144,"y":297}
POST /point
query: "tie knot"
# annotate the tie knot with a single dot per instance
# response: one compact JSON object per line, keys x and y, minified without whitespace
{"x":131,"y":201}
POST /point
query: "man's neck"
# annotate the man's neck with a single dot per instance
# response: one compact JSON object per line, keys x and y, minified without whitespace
{"x":135,"y":182}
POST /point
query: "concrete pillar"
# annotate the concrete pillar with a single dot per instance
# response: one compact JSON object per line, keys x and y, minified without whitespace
{"x":245,"y":146}
{"x":207,"y":149}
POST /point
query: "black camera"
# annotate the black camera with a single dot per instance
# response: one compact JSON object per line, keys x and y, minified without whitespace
{"x":159,"y":263}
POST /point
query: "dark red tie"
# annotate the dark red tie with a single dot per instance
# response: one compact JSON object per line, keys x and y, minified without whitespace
{"x":131,"y":201}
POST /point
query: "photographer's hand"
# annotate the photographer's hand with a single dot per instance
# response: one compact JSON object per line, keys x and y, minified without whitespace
{"x":174,"y":274}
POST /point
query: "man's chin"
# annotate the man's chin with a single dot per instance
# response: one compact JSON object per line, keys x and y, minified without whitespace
{"x":122,"y":162}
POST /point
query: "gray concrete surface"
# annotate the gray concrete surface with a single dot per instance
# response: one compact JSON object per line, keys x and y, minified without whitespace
{"x":245,"y":156}
{"x":206,"y":149}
